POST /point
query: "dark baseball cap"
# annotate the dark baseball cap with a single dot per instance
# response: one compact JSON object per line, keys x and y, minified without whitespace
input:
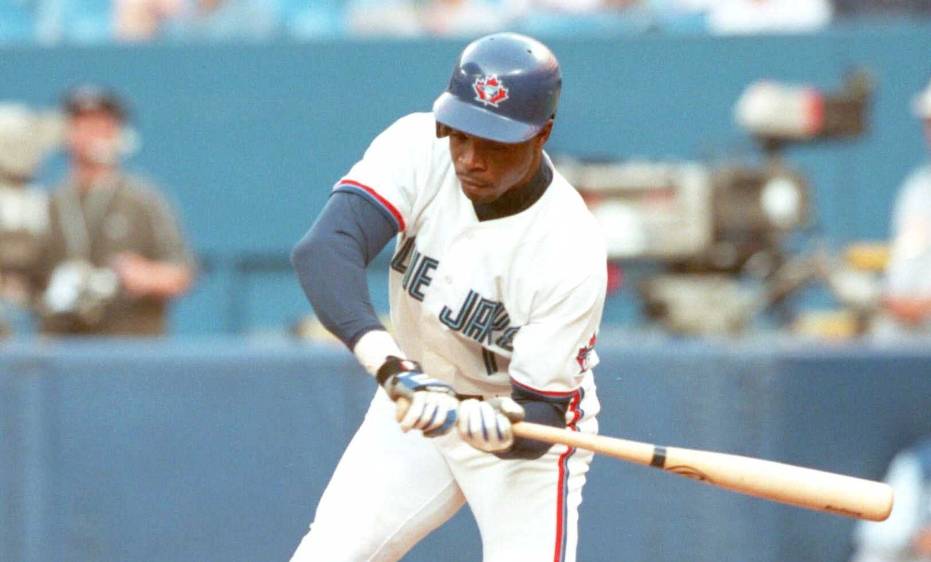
{"x":91,"y":97}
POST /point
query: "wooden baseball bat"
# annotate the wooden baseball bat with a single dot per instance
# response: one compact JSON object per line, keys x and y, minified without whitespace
{"x":784,"y":483}
{"x":774,"y":481}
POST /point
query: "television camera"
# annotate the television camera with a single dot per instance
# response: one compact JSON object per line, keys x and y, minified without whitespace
{"x":718,"y":233}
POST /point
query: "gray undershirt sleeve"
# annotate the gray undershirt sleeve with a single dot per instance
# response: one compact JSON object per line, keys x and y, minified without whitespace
{"x":330,"y":262}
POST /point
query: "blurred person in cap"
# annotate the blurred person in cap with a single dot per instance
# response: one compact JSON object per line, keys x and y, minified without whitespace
{"x":906,"y":535}
{"x":907,"y":293}
{"x":116,"y":255}
{"x":26,"y":138}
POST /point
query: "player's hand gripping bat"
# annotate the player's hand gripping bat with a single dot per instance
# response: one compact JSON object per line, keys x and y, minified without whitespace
{"x":784,"y":483}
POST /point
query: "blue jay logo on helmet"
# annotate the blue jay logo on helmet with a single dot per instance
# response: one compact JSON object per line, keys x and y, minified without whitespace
{"x":489,"y":90}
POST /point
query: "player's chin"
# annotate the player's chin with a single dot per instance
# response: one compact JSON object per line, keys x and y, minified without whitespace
{"x":479,"y":193}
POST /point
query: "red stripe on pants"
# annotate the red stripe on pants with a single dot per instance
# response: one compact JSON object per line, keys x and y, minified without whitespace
{"x":561,"y":491}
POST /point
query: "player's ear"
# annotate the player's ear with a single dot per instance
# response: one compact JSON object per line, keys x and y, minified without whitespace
{"x":544,"y":134}
{"x":441,"y":130}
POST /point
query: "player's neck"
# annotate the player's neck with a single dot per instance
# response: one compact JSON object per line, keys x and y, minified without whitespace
{"x":518,"y":198}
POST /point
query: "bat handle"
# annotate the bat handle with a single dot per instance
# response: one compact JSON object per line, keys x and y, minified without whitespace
{"x":631,"y":451}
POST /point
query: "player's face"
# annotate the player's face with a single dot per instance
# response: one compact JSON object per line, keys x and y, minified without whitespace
{"x":488,"y":169}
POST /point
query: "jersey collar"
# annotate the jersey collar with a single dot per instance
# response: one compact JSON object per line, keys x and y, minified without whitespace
{"x":517,"y":200}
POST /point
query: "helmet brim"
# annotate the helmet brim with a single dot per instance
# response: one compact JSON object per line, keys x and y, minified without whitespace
{"x":480,"y":122}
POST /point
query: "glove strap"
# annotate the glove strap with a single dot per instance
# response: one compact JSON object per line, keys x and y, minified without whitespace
{"x":395,"y":365}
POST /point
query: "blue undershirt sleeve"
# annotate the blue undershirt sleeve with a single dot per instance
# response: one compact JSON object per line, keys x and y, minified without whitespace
{"x":330,"y":262}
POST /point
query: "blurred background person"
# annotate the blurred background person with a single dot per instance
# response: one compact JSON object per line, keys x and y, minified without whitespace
{"x":383,"y":18}
{"x":196,"y":20}
{"x":222,"y":20}
{"x":586,"y":17}
{"x":142,"y":20}
{"x":116,"y":255}
{"x":906,"y":535}
{"x":461,"y":18}
{"x":26,"y":138}
{"x":908,"y":275}
{"x":733,"y":17}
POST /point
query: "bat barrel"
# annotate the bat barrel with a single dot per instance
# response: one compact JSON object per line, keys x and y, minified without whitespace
{"x":785,"y":483}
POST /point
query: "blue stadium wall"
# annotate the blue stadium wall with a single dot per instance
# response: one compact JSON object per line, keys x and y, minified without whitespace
{"x":209,"y":450}
{"x":247,"y":140}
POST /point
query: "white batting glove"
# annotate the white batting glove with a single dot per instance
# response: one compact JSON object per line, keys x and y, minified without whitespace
{"x":431,"y":404}
{"x":430,"y":411}
{"x":486,"y":425}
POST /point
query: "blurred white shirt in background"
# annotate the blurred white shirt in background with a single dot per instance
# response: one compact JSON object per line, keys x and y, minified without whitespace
{"x":909,"y":269}
{"x":890,"y":540}
{"x":735,"y":17}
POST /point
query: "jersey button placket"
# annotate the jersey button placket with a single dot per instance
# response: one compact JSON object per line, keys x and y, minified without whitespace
{"x":454,"y":255}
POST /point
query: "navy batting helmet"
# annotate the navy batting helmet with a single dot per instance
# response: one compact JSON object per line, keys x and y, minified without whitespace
{"x":504,"y":87}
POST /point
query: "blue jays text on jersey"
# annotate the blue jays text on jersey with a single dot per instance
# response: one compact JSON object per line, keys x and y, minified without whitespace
{"x":484,"y":320}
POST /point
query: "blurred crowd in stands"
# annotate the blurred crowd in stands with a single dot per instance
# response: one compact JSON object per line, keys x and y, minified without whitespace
{"x":50,"y":22}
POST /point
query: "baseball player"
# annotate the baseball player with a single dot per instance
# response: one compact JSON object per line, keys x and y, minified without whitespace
{"x":496,"y":286}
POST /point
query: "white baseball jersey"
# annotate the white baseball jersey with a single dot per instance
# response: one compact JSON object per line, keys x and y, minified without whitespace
{"x":483,"y":304}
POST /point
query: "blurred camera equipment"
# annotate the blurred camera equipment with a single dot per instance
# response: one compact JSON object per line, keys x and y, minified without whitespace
{"x":718,"y":234}
{"x":78,"y":291}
